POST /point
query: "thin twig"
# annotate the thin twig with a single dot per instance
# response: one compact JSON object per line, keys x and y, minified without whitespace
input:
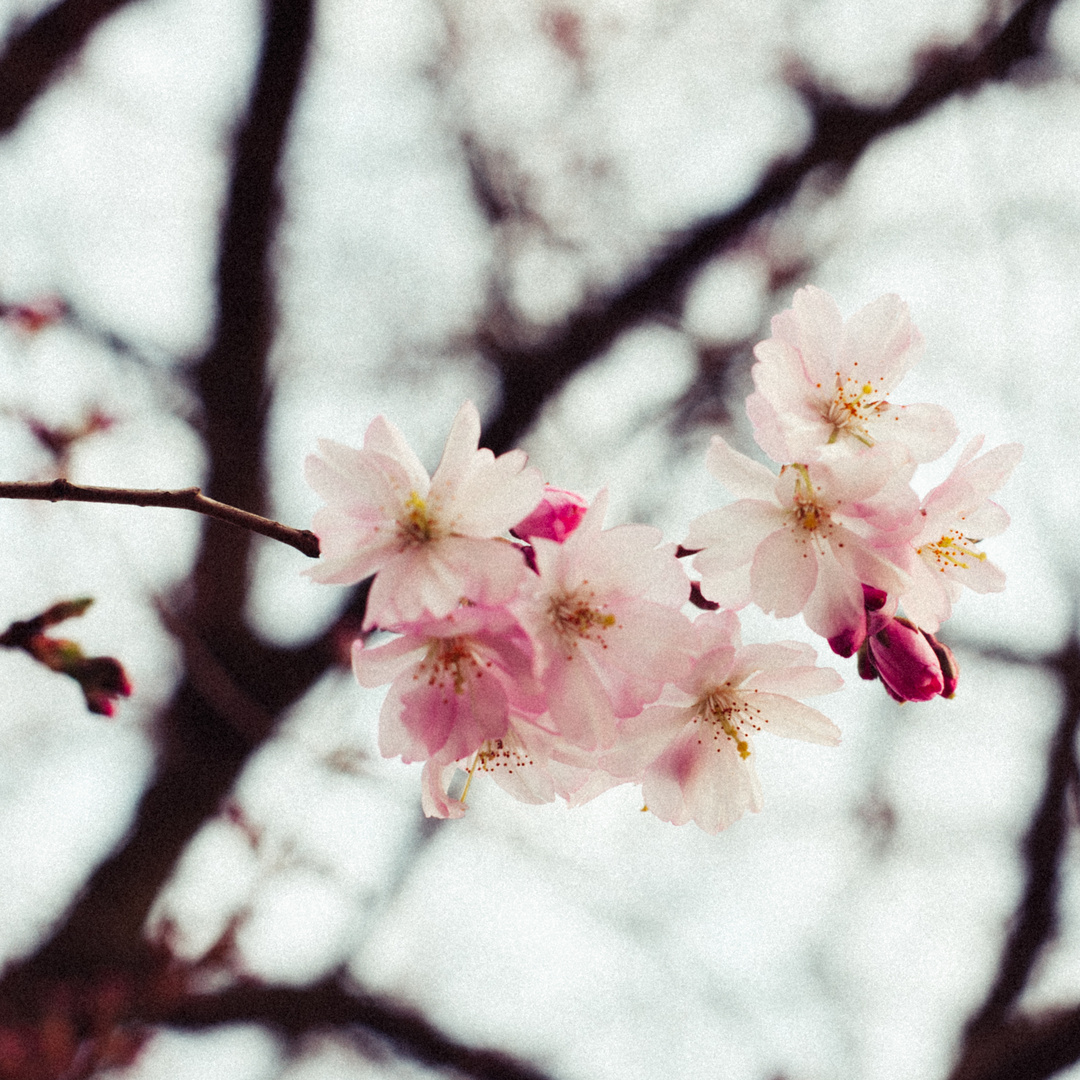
{"x":179,"y":499}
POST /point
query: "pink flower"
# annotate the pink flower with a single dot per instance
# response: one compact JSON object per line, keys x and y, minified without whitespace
{"x":695,"y":750}
{"x":430,"y":541}
{"x":453,"y":682}
{"x":943,"y":556}
{"x":558,"y":515}
{"x":821,"y":382}
{"x":604,"y":617}
{"x":800,"y":541}
{"x":912,"y":665}
{"x":529,"y":763}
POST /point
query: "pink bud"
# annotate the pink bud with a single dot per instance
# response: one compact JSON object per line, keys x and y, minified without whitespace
{"x":558,"y":515}
{"x":950,"y":670}
{"x":906,"y":662}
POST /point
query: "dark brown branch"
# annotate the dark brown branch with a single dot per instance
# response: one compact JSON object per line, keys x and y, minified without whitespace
{"x":178,"y":499}
{"x":1035,"y":921}
{"x":1027,"y":1048}
{"x":842,"y":130}
{"x":326,"y":1006}
{"x":200,"y":752}
{"x":39,"y":52}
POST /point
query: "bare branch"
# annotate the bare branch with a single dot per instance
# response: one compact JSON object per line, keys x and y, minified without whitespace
{"x":842,"y":130}
{"x":1027,"y":1048}
{"x":36,"y":55}
{"x":1035,"y":921}
{"x":178,"y":499}
{"x":327,"y":1005}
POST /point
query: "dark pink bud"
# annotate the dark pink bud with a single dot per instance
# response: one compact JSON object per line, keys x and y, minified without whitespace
{"x":950,"y":670}
{"x":558,"y":515}
{"x":906,"y":662}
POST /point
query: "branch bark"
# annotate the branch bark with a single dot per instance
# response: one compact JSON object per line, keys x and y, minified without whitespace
{"x":177,"y":499}
{"x":38,"y":53}
{"x":842,"y":130}
{"x":185,"y":498}
{"x":295,"y":1012}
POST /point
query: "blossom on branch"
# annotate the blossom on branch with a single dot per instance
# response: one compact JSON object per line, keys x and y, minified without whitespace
{"x":558,"y":515}
{"x":693,"y":751}
{"x":430,"y":541}
{"x":453,"y":682}
{"x":942,"y":554}
{"x":800,"y":541}
{"x":822,"y":383}
{"x":604,"y":616}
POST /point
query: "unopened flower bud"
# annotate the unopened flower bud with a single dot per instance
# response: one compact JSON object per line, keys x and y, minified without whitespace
{"x":950,"y":670}
{"x":905,"y":661}
{"x":558,"y":515}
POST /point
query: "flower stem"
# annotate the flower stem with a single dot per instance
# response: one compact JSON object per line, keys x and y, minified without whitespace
{"x":61,"y":490}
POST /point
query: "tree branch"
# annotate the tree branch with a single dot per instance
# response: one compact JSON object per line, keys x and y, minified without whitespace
{"x":35,"y":55}
{"x":326,"y":1005}
{"x":178,"y":499}
{"x":1035,"y":920}
{"x":842,"y":130}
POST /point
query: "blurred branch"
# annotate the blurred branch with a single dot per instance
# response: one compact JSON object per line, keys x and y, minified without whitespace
{"x":200,"y":754}
{"x":39,"y":51}
{"x":61,"y":490}
{"x":327,"y":1005}
{"x":841,"y":132}
{"x":1035,"y":920}
{"x":1026,"y":1048}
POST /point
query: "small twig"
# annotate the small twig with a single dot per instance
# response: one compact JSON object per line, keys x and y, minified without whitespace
{"x":181,"y":499}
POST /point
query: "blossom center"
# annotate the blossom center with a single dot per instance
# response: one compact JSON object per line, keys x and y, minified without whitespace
{"x":574,"y":615}
{"x":848,"y":412}
{"x":505,"y":753}
{"x":731,"y":716}
{"x":953,"y":549}
{"x":450,"y":661}
{"x":807,"y":511}
{"x":416,"y":525}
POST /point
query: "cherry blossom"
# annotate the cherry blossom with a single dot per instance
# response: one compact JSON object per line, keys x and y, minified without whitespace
{"x":800,"y":541}
{"x":823,"y":383}
{"x":453,"y":682}
{"x":604,"y":617}
{"x":430,"y":541}
{"x":528,"y":762}
{"x":943,"y":554}
{"x":695,"y":747}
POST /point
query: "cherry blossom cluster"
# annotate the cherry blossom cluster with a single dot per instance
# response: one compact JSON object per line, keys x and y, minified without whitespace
{"x":558,"y":656}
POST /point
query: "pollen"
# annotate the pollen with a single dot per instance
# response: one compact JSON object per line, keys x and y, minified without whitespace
{"x":575,"y":615}
{"x":731,"y":717}
{"x":450,"y":662}
{"x":808,"y":512}
{"x":851,"y":409}
{"x":954,"y":549}
{"x":416,"y":525}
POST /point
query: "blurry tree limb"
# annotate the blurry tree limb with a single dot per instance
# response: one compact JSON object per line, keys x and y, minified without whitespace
{"x":178,"y":499}
{"x":841,"y":130}
{"x":994,"y":1027}
{"x":327,"y":1005}
{"x":200,"y":752}
{"x":1024,"y":1048}
{"x":38,"y":52}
